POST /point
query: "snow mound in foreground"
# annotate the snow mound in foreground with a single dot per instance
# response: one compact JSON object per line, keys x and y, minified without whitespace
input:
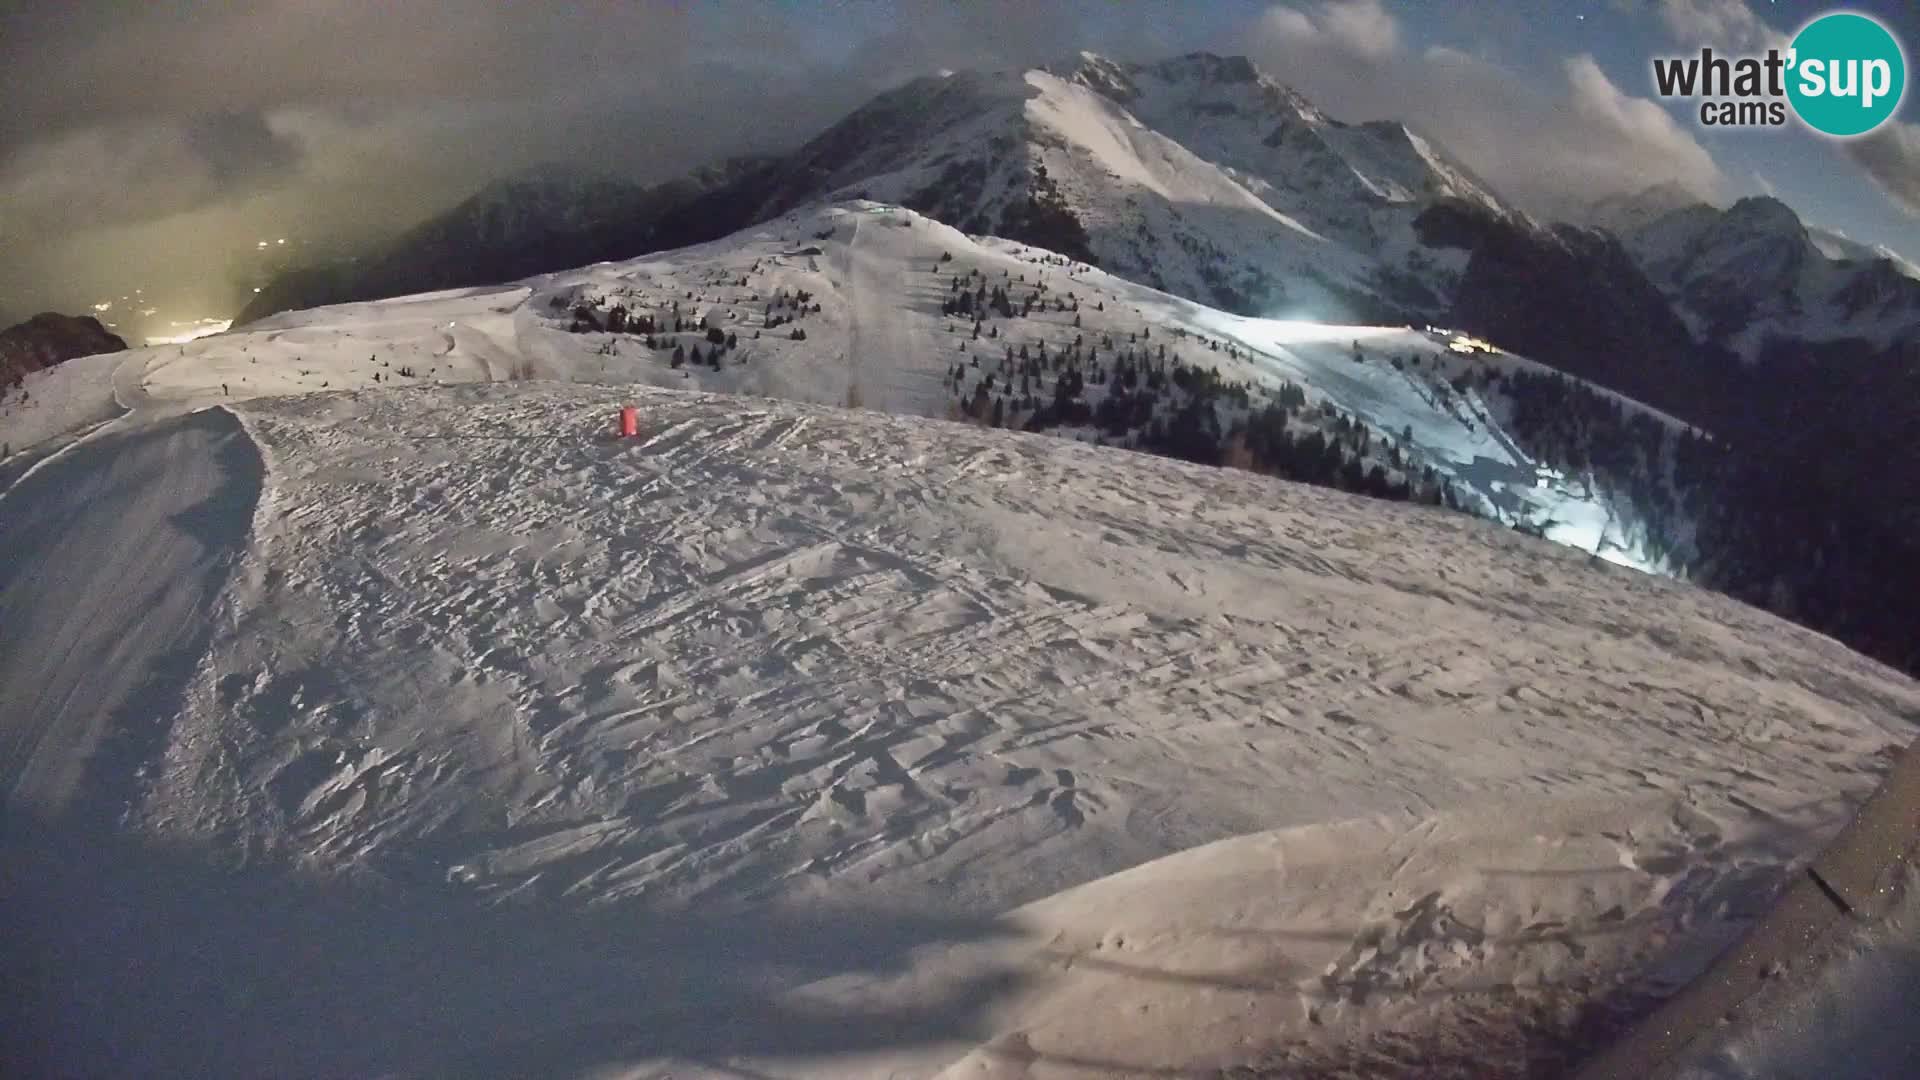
{"x":1848,"y":1013}
{"x":804,"y":741}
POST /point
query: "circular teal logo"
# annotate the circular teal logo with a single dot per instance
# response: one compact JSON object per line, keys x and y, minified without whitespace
{"x":1846,"y":74}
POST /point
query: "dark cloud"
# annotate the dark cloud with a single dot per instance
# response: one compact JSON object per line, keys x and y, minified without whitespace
{"x":1891,"y":159}
{"x":201,"y":127}
{"x":240,"y":150}
{"x":161,"y":138}
{"x":1544,"y":146}
{"x":1727,"y":24}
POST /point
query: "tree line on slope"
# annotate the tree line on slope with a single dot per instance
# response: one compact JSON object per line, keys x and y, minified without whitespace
{"x":1813,"y":508}
{"x":1140,"y":395}
{"x":632,"y":314}
{"x":1806,"y":505}
{"x":1761,"y":527}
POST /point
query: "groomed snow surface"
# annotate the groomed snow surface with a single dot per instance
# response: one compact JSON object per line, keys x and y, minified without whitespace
{"x":797,"y":741}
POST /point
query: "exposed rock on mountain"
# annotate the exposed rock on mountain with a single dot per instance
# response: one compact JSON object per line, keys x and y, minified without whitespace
{"x":48,"y":339}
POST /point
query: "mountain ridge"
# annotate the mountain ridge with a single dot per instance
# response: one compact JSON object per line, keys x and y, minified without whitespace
{"x":1317,"y":196}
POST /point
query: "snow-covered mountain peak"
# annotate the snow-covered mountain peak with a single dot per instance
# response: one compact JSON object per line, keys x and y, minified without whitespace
{"x":1199,"y":174}
{"x":1230,"y":113}
{"x":1755,"y":275}
{"x":1109,"y":78}
{"x":1624,"y":212}
{"x":1206,"y":67}
{"x":1764,"y":215}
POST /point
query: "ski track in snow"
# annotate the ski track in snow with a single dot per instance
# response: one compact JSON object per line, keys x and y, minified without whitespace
{"x":73,"y":395}
{"x":879,"y":342}
{"x":452,"y":736}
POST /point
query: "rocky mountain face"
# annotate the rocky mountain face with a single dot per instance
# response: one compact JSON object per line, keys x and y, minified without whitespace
{"x":1573,"y":298}
{"x":1753,"y":278}
{"x":1798,"y":349}
{"x":1200,"y":176}
{"x":48,"y":339}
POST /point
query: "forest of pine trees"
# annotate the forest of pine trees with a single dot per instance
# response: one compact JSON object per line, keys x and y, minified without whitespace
{"x":1149,"y":398}
{"x":661,"y":330}
{"x":1041,"y":217}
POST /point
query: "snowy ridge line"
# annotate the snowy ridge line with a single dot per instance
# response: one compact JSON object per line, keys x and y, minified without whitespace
{"x":878,"y":329}
{"x":1852,"y":888}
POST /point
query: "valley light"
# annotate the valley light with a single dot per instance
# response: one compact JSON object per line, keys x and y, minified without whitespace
{"x":200,"y":329}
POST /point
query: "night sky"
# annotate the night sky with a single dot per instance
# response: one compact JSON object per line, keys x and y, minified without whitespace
{"x":156,"y":145}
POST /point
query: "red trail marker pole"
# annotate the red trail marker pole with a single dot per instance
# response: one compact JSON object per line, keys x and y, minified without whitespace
{"x":629,"y":422}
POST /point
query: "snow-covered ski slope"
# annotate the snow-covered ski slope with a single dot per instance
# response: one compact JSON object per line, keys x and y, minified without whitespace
{"x":880,"y":340}
{"x":801,"y":741}
{"x":52,"y":403}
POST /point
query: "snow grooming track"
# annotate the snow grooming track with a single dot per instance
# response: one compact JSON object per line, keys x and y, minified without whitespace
{"x":799,"y":741}
{"x":882,"y":342}
{"x":112,"y":555}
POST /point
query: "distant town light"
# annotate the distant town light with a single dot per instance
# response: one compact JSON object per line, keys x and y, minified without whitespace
{"x":195,"y":330}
